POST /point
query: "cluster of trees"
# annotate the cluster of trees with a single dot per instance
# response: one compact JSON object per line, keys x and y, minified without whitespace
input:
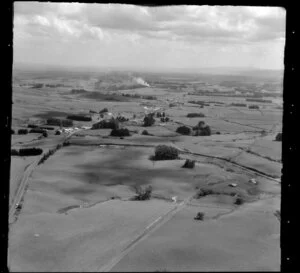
{"x":104,"y":110}
{"x":27,"y":151}
{"x":149,"y":120}
{"x":145,"y":133}
{"x":239,"y":104}
{"x":37,"y":130}
{"x":60,"y":122}
{"x":195,"y":115}
{"x":184,"y":130}
{"x":160,"y":114}
{"x":164,"y":152}
{"x":106,"y":124}
{"x":78,"y":91}
{"x":199,"y":102}
{"x":121,"y":118}
{"x":37,"y":85}
{"x":258,"y":100}
{"x":22,"y":132}
{"x":202,"y":129}
{"x":189,"y":164}
{"x":49,"y":153}
{"x":145,"y":97}
{"x":120,"y":132}
{"x":279,"y":137}
{"x":79,"y":118}
{"x":165,"y":119}
{"x":253,"y":107}
{"x":142,"y":194}
{"x":55,"y":85}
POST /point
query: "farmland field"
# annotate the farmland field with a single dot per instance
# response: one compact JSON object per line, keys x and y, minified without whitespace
{"x":78,"y":207}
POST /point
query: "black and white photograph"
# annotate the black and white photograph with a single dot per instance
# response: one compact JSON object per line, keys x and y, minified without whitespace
{"x":146,"y":138}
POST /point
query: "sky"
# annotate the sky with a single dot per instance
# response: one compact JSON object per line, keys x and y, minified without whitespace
{"x":119,"y":35}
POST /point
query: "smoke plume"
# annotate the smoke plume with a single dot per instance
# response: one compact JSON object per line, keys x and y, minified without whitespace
{"x":141,"y":81}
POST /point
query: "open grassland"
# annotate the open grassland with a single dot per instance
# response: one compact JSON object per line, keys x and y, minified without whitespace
{"x":77,"y":213}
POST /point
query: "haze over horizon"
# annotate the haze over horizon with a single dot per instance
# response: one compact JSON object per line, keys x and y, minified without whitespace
{"x":163,"y":38}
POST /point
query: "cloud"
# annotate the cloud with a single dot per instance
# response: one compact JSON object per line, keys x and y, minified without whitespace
{"x":190,"y":23}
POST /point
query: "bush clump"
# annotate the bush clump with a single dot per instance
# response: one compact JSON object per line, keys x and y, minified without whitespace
{"x":190,"y":164}
{"x":79,"y":118}
{"x":120,"y":132}
{"x":12,"y":131}
{"x":183,"y":130}
{"x":164,"y":152}
{"x":199,"y":216}
{"x":145,"y":133}
{"x":203,"y":192}
{"x":149,"y":120}
{"x":106,"y":124}
{"x":30,"y":151}
{"x":195,"y":115}
{"x":45,"y":134}
{"x":104,"y":110}
{"x":239,"y":201}
{"x":279,"y":137}
{"x":14,"y":152}
{"x":57,"y":133}
{"x":142,"y":194}
{"x":22,"y":132}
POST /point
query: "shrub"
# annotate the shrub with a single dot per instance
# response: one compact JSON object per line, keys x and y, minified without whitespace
{"x":30,"y":151}
{"x":199,"y":216}
{"x":104,"y":110}
{"x":45,"y":134}
{"x":66,"y":143}
{"x":203,"y":192}
{"x":93,"y":112}
{"x":145,"y":133}
{"x":183,"y":130}
{"x":279,"y":137}
{"x":22,"y":131}
{"x":190,"y":164}
{"x":57,"y":133}
{"x":79,"y":118}
{"x":142,"y":194}
{"x":12,"y":131}
{"x":218,"y":133}
{"x":149,"y":120}
{"x":14,"y":152}
{"x":106,"y":124}
{"x":164,"y":152}
{"x":120,"y":132}
{"x":195,"y":115}
{"x":239,"y":201}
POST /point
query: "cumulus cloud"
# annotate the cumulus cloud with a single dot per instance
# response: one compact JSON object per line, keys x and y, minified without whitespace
{"x":189,"y":27}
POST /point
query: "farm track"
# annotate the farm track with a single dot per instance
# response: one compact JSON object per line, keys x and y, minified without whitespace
{"x":17,"y":199}
{"x":161,"y":220}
